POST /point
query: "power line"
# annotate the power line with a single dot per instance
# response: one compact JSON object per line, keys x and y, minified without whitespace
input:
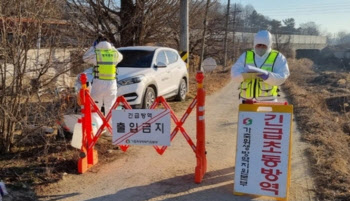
{"x":306,"y":7}
{"x":311,"y":11}
{"x":287,"y":6}
{"x":305,"y":14}
{"x":318,"y":9}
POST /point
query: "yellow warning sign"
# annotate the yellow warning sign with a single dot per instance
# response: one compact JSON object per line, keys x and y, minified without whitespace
{"x":184,"y":55}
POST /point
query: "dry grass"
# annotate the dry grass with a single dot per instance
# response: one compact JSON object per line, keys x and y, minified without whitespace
{"x":322,"y":125}
{"x":212,"y":83}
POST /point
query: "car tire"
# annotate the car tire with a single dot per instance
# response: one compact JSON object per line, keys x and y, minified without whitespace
{"x":149,"y":98}
{"x":182,"y":91}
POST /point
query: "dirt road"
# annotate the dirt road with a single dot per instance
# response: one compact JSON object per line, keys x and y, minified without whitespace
{"x":142,"y":174}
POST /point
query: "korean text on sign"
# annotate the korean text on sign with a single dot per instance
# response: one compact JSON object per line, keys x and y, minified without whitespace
{"x":141,"y":127}
{"x":262,"y":153}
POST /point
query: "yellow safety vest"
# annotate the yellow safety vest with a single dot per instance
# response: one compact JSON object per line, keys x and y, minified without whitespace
{"x":106,"y":60}
{"x":254,"y":88}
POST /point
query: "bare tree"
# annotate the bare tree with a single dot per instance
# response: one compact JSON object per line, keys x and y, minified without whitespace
{"x":29,"y":62}
{"x":143,"y":22}
{"x":130,"y":23}
{"x":343,"y":38}
{"x":309,"y":28}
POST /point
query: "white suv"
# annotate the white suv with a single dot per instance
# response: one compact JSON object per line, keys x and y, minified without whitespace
{"x":147,"y":72}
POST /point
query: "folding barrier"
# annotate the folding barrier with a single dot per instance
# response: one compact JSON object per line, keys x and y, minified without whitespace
{"x":88,"y":155}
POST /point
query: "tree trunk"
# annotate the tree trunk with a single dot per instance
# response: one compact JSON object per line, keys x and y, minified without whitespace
{"x":127,"y":29}
{"x":139,"y":22}
{"x":7,"y":135}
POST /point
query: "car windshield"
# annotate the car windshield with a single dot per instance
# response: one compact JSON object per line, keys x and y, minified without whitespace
{"x":136,"y":58}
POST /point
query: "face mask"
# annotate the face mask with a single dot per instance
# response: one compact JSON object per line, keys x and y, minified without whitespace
{"x":260,"y":51}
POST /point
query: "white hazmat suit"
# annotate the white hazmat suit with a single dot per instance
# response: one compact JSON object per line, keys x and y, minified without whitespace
{"x":280,"y":70}
{"x":103,"y":92}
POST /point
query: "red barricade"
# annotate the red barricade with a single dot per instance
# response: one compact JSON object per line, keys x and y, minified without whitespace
{"x":201,"y":167}
{"x":89,"y":154}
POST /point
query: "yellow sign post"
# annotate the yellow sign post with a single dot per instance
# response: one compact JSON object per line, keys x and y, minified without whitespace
{"x":263,"y":152}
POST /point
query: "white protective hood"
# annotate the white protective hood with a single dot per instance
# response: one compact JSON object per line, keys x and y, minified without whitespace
{"x":280,"y":71}
{"x":104,"y":45}
{"x":263,"y":37}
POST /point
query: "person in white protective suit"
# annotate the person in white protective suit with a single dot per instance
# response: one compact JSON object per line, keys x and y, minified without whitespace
{"x":104,"y":56}
{"x":269,"y":67}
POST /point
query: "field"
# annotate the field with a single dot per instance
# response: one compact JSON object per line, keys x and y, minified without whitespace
{"x":320,"y":95}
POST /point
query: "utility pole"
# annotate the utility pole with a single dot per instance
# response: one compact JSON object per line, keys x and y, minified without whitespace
{"x":235,"y":12}
{"x":226,"y":27}
{"x":204,"y":33}
{"x":38,"y":46}
{"x":184,"y":42}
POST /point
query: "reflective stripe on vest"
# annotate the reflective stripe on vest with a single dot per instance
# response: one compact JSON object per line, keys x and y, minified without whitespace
{"x":254,"y":88}
{"x":106,"y":61}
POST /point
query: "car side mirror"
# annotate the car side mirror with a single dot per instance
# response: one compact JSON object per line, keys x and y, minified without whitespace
{"x":160,"y":65}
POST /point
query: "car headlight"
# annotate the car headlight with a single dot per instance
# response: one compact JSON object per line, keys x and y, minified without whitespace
{"x":130,"y":80}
